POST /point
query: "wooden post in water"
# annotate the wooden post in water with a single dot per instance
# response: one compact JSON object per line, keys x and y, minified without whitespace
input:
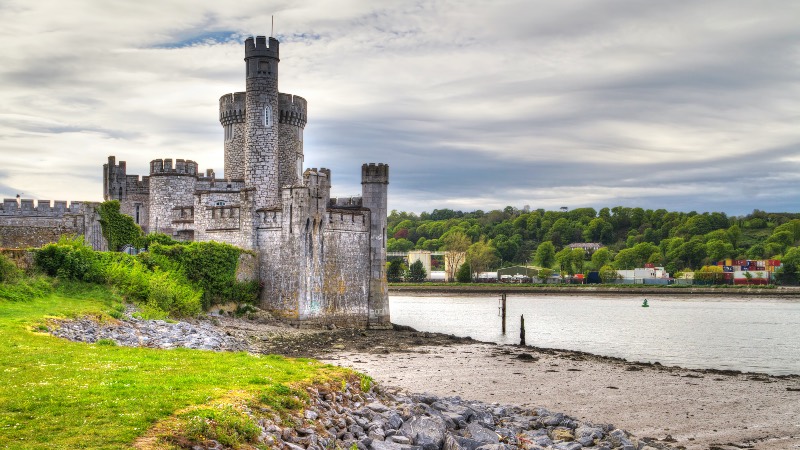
{"x":522,"y":330}
{"x":503,"y":310}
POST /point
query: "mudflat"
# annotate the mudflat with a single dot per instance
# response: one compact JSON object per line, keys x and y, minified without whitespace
{"x":694,"y":409}
{"x":687,"y":408}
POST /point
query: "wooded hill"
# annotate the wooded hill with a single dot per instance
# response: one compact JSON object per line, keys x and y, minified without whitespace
{"x":632,"y":236}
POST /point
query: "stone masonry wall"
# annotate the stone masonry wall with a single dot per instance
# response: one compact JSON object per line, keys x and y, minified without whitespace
{"x":261,"y":132}
{"x":166,"y":193}
{"x":232,"y":118}
{"x":27,"y":225}
{"x":292,"y":118}
{"x":374,"y":187}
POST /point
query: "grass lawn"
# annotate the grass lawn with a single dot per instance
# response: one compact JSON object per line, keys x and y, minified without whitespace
{"x":60,"y":394}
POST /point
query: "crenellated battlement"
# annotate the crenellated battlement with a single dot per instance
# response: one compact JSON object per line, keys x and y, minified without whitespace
{"x":348,"y":220}
{"x":317,"y":178}
{"x":293,"y":109}
{"x":232,"y":108}
{"x":375,"y":173}
{"x":258,"y":47}
{"x":41,"y":208}
{"x":160,"y":167}
{"x":345,"y":202}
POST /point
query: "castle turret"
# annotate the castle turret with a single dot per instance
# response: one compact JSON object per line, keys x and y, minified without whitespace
{"x":261,"y":124}
{"x":374,"y":186}
{"x":232,"y":118}
{"x":292,"y":119}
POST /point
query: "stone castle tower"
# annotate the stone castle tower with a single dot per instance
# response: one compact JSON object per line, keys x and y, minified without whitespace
{"x":321,"y":259}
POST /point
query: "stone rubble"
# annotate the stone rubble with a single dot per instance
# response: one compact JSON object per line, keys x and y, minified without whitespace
{"x":389,"y":419}
{"x":380,"y":419}
{"x":133,"y":332}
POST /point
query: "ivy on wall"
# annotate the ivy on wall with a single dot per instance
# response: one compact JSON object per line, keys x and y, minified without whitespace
{"x":118,"y":229}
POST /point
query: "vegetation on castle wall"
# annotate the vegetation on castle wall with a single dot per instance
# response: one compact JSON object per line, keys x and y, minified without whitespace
{"x":177,"y":279}
{"x":118,"y":229}
{"x":209,"y":265}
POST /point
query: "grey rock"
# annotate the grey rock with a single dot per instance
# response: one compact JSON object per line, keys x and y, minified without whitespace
{"x":427,"y":432}
{"x":481,"y":434}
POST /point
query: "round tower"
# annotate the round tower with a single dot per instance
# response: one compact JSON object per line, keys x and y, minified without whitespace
{"x":292,"y":121}
{"x":261,"y":123}
{"x":232,"y":118}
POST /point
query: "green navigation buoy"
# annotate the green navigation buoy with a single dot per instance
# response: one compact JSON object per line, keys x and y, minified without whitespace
{"x":644,"y":304}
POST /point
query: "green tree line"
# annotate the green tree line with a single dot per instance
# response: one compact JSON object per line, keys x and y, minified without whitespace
{"x":631,"y":237}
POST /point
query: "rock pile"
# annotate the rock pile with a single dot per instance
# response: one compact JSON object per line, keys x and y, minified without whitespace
{"x":133,"y":332}
{"x":388,"y":419}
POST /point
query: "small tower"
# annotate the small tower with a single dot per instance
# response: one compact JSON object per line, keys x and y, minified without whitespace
{"x":114,"y":176}
{"x":232,"y":118}
{"x":374,"y":186}
{"x":292,"y":119}
{"x":261,"y":124}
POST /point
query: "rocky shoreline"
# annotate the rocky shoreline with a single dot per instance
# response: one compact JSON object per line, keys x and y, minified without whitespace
{"x":747,"y":409}
{"x":391,"y":419}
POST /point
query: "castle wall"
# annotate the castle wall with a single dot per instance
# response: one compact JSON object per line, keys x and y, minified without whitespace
{"x":171,"y":188}
{"x":132,"y":192}
{"x":346,"y":267}
{"x":292,"y":120}
{"x":232,"y":118}
{"x":27,"y":225}
{"x":374,"y":185}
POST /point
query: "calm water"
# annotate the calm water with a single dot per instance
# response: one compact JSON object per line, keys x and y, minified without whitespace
{"x":754,"y":335}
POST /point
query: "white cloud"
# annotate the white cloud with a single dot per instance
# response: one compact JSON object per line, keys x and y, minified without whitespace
{"x":475,"y":105}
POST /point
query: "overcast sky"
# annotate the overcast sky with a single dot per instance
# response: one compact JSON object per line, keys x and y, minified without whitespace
{"x":683,"y":105}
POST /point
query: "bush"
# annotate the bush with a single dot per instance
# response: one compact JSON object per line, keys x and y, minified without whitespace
{"x":9,"y":271}
{"x":227,"y":426}
{"x":416,"y":273}
{"x":463,"y":275}
{"x":70,"y":259}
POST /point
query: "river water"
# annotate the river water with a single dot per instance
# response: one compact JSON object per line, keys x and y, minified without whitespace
{"x":752,"y":335}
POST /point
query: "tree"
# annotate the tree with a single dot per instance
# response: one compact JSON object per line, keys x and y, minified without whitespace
{"x":399,"y":245}
{"x":789,"y":272}
{"x":718,"y":250}
{"x":709,"y":275}
{"x":456,"y":244}
{"x":601,"y":257}
{"x":608,"y":274}
{"x":545,"y":255}
{"x":481,"y":255}
{"x":464,"y":275}
{"x":395,"y":271}
{"x":416,"y":273}
{"x":578,"y":257}
{"x":564,"y":261}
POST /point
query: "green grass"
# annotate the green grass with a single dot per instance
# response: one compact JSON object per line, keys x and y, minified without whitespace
{"x":60,"y":394}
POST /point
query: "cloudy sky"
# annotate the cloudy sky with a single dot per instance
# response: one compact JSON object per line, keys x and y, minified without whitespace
{"x":683,"y":105}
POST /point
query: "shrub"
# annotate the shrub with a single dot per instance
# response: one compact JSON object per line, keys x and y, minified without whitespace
{"x":70,"y":259}
{"x":227,"y":426}
{"x":8,"y":270}
{"x":463,"y":275}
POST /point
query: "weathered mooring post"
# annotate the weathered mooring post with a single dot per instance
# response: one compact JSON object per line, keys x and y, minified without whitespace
{"x":522,"y":330}
{"x":503,"y":310}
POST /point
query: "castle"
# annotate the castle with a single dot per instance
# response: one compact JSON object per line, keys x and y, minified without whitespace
{"x":320,"y":259}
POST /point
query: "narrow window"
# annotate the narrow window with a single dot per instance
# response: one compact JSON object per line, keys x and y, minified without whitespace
{"x":268,"y":116}
{"x":137,"y":214}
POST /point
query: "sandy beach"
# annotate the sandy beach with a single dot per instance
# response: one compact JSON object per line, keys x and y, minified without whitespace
{"x":688,"y":408}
